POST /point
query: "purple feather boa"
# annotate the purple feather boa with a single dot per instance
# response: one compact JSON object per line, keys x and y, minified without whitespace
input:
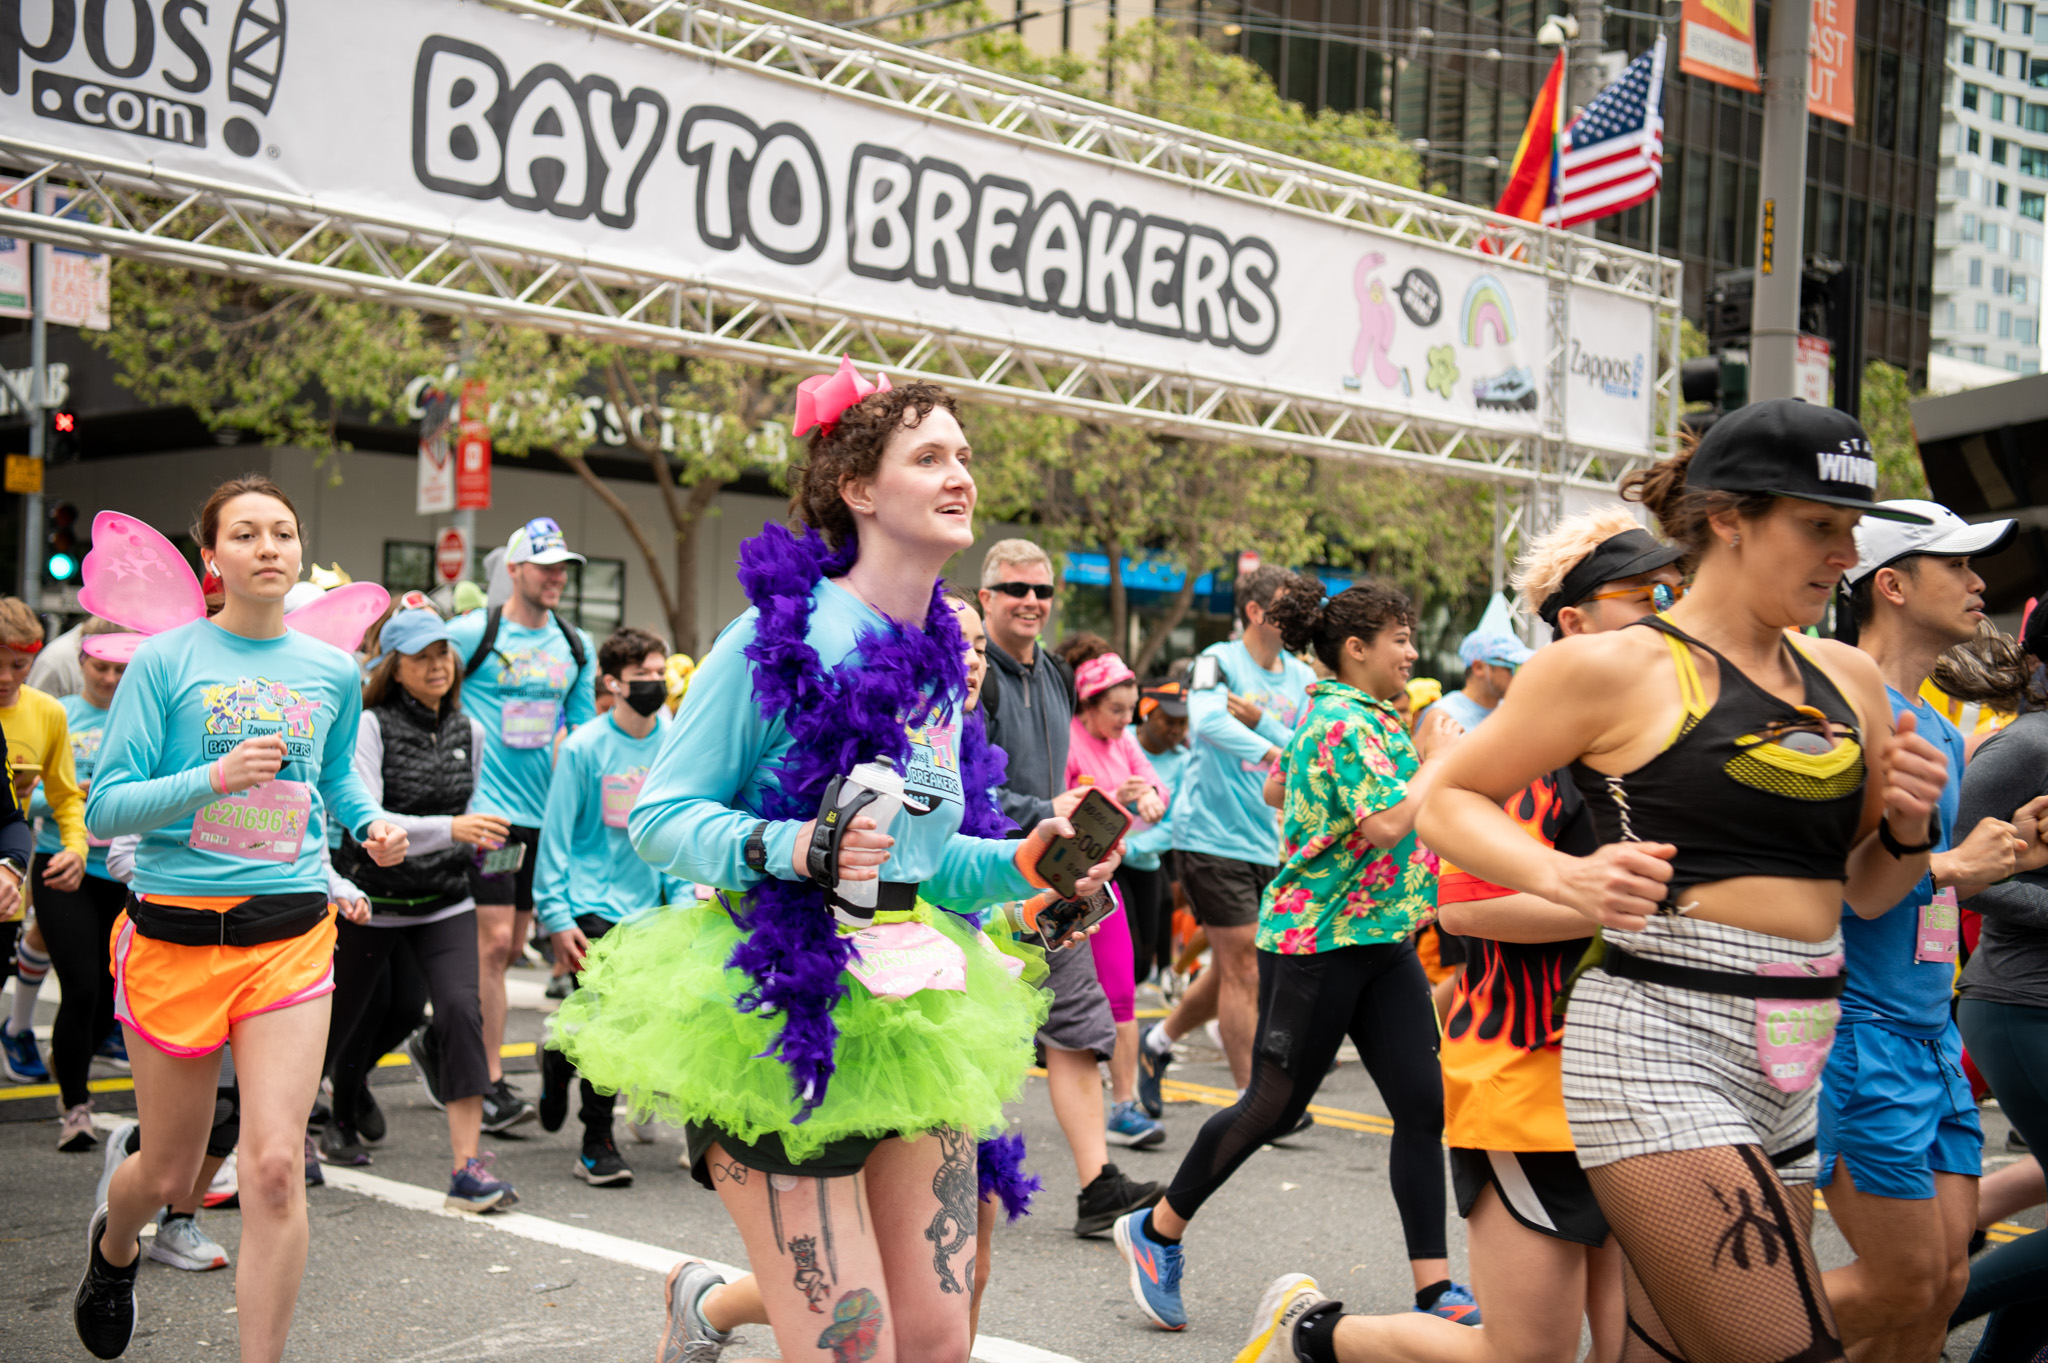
{"x":839,"y":717}
{"x":1000,"y":1170}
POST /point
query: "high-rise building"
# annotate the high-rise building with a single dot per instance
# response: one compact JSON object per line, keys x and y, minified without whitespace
{"x":1994,"y":187}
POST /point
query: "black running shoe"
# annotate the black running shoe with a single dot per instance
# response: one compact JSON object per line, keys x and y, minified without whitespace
{"x":103,"y":1311}
{"x":426,"y":1063}
{"x":339,"y":1145}
{"x":314,"y":1178}
{"x":557,"y":1076}
{"x":505,"y":1109}
{"x":600,"y":1165}
{"x":1307,"y":1120}
{"x":369,"y":1118}
{"x":1110,"y":1196}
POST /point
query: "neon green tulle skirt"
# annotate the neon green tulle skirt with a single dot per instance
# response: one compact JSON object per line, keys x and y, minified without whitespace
{"x":653,"y":1018}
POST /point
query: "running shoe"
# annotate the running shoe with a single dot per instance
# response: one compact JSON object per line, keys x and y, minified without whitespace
{"x":505,"y":1109}
{"x":646,"y":1133}
{"x":1307,"y":1120}
{"x":113,"y":1049}
{"x":474,"y":1188}
{"x":180,"y":1243}
{"x":370,"y":1124}
{"x":339,"y":1145}
{"x":226,"y":1189}
{"x":75,"y":1134}
{"x":103,"y":1309}
{"x":21,"y":1060}
{"x":1110,"y":1196}
{"x":557,"y":1075}
{"x":1456,"y":1304}
{"x":560,"y":986}
{"x":426,"y":1063}
{"x":314,"y":1178}
{"x":688,"y":1337}
{"x":1287,"y":1299}
{"x":1151,"y":1069}
{"x":1155,"y":1272}
{"x":600,"y":1165}
{"x":1128,"y":1125}
{"x":123,"y":1141}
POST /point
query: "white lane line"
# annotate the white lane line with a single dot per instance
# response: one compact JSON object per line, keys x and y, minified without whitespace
{"x":618,"y":1249}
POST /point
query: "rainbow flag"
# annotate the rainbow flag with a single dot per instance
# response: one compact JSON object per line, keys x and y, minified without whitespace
{"x":1534,"y":179}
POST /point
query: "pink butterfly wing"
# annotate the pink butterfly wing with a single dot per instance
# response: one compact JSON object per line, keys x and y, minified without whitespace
{"x":112,"y":648}
{"x":342,"y":615}
{"x":136,"y":577}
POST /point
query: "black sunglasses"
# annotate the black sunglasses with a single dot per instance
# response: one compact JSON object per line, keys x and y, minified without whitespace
{"x":1020,"y":590}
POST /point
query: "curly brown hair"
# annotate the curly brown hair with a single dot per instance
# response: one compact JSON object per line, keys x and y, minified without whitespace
{"x":1306,"y":620}
{"x":853,"y":450}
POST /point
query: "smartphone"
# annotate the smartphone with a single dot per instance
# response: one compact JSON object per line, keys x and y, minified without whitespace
{"x":506,"y":860}
{"x":1065,"y":917}
{"x":1098,"y":822}
{"x":1207,"y":674}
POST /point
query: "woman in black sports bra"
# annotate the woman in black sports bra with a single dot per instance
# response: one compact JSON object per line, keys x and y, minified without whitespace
{"x":1745,"y":780}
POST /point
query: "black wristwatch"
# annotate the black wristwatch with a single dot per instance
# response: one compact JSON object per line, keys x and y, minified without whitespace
{"x":1899,"y":849}
{"x":757,"y":847}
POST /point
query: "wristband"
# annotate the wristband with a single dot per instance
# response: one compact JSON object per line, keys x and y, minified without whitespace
{"x":217,"y":776}
{"x":1899,"y":850}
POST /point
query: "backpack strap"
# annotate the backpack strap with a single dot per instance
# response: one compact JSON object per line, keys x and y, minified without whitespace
{"x":488,"y":644}
{"x":575,"y":641}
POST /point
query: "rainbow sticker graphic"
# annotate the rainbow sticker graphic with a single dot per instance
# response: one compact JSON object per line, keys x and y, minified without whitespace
{"x":1487,"y":309}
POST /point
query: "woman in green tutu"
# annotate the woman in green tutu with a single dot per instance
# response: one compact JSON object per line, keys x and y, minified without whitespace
{"x":830,"y":1077}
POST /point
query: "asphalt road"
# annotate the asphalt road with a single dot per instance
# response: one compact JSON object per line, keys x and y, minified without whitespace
{"x":579,"y":1268}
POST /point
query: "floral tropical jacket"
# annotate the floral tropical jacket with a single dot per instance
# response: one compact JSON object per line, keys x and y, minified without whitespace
{"x":1349,"y":760}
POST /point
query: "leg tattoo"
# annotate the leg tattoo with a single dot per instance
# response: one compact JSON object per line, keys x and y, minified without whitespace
{"x":810,"y":1279}
{"x":856,"y":1329}
{"x":952,"y":1226}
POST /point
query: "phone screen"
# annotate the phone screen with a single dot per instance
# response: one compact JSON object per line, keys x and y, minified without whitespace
{"x":1207,"y":674}
{"x":1098,"y":823}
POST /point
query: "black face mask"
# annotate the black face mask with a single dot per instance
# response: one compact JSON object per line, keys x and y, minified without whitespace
{"x":646,"y":696}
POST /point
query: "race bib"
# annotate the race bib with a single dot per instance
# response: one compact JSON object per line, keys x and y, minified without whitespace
{"x":528,"y":723}
{"x":620,"y":794}
{"x":896,"y":960}
{"x":1794,"y":1036}
{"x":267,"y":823}
{"x":1939,"y":929}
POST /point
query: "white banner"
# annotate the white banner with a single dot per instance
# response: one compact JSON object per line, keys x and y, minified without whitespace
{"x":1610,"y":364}
{"x":469,"y":114}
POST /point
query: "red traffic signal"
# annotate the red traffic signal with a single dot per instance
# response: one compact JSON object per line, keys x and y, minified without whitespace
{"x":64,"y":423}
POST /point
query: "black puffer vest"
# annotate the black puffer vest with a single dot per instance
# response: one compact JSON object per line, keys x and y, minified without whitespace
{"x":427,"y":771}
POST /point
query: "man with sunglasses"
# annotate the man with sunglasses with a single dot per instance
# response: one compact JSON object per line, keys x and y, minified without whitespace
{"x":1900,"y":1145}
{"x":1490,"y":659}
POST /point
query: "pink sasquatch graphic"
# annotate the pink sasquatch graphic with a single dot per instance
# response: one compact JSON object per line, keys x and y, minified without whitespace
{"x":1375,"y":324}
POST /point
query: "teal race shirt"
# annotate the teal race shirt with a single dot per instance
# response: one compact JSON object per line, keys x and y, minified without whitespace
{"x":193,"y":694}
{"x":721,"y":756}
{"x":587,"y":862}
{"x":1222,"y":810}
{"x":87,"y":725}
{"x":527,"y":688}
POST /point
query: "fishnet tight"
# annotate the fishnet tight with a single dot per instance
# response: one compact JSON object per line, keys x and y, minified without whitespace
{"x":1720,"y":1264}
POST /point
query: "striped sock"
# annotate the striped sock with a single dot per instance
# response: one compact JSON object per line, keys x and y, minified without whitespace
{"x":31,"y":966}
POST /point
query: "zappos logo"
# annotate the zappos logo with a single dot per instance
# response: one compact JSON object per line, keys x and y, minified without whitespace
{"x":132,"y":64}
{"x":1616,"y":376}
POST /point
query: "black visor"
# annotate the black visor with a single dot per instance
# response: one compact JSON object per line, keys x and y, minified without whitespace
{"x":1629,"y":554}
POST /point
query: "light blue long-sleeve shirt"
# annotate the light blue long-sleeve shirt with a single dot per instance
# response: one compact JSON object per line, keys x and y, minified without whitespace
{"x":86,"y":724}
{"x":588,"y":865}
{"x":720,"y":758}
{"x":190,"y":696}
{"x":1223,"y":806}
{"x":523,"y":692}
{"x":1147,"y":846}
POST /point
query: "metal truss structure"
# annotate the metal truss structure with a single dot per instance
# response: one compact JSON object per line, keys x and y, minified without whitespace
{"x":143,"y":211}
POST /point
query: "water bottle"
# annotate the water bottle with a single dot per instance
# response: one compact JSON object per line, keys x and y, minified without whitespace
{"x":881,"y":777}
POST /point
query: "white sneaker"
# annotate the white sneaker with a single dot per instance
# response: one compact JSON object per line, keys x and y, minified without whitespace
{"x":117,"y":1150}
{"x":76,"y":1132}
{"x":226,"y":1187}
{"x":643,"y":1132}
{"x":1287,"y":1299}
{"x":181,"y":1243}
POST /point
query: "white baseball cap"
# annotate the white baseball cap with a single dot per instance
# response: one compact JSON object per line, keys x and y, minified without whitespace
{"x":540,"y":540}
{"x":1881,"y":543}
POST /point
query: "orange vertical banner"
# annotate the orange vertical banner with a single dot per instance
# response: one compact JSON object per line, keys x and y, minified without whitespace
{"x":1718,"y":42}
{"x":1831,"y":87}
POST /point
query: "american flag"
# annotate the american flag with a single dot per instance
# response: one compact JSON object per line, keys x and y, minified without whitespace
{"x":1613,"y":154}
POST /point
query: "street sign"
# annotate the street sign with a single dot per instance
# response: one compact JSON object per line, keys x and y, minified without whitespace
{"x":436,"y":486}
{"x":473,"y":466}
{"x":451,"y":554}
{"x":24,"y":474}
{"x":1815,"y":383}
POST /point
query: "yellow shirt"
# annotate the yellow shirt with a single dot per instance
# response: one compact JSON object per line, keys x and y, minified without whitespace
{"x":1967,"y":716}
{"x":39,"y":744}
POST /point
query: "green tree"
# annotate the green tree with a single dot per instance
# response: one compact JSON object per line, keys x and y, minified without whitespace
{"x":1888,"y":421}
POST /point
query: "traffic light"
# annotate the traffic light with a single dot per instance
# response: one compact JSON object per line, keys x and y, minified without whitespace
{"x":60,"y":543}
{"x":64,"y":448}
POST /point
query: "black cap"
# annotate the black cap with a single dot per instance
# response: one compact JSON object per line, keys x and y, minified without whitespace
{"x":1171,"y":697}
{"x":1788,"y":448}
{"x":1629,"y":554}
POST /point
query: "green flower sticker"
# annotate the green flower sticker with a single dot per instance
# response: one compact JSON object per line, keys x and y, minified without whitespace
{"x":1443,"y":371}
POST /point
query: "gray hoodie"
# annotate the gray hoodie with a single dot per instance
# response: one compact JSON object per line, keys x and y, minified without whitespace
{"x":1028,"y":712}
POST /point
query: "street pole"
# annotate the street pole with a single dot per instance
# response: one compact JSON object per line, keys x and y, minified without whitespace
{"x":1781,"y":229}
{"x":465,"y":518}
{"x":38,"y":396}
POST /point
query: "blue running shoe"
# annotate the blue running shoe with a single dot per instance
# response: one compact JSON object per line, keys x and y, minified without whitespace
{"x":114,"y":1049}
{"x":1457,"y":1304}
{"x":1130,"y":1126}
{"x":472,"y":1188}
{"x":1151,"y":1069}
{"x":1155,"y":1271}
{"x":20,"y":1059}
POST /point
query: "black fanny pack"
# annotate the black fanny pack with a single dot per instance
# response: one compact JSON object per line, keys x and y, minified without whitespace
{"x":256,"y":920}
{"x":1628,"y":966}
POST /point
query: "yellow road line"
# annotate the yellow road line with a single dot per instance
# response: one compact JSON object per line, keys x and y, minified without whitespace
{"x":511,"y":1051}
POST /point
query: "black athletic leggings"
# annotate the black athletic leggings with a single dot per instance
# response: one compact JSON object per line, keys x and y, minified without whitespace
{"x":446,"y":952}
{"x":76,"y":927}
{"x":595,"y":1111}
{"x":398,"y":1004}
{"x":2009,"y":1043}
{"x":1149,"y":907}
{"x":1379,"y":997}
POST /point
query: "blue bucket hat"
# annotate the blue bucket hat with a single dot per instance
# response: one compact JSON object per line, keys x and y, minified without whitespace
{"x":413,"y":631}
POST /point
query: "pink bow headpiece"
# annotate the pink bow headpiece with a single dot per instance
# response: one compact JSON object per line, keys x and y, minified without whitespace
{"x":136,"y":577}
{"x":821,"y":398}
{"x":1097,"y":675}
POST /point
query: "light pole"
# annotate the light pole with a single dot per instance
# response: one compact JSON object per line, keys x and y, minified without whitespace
{"x":1781,"y":228}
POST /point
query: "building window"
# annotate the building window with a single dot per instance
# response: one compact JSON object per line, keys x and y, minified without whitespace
{"x":1976,"y":274}
{"x":595,"y":595}
{"x":1999,"y":148}
{"x":2034,"y":162}
{"x":1969,"y":52}
{"x":1969,"y":227}
{"x":1970,"y":94}
{"x":2024,"y":331}
{"x":1998,"y":279}
{"x":1977,"y":353}
{"x":1973,"y":144}
{"x":2037,"y":118}
{"x":2026,"y":19}
{"x":1962,"y":182}
{"x":2038,"y":74}
{"x":1982,"y":321}
{"x":1997,"y":107}
{"x":1969,"y":9}
{"x":1951,"y":314}
{"x":2001,"y":193}
{"x":408,"y":566}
